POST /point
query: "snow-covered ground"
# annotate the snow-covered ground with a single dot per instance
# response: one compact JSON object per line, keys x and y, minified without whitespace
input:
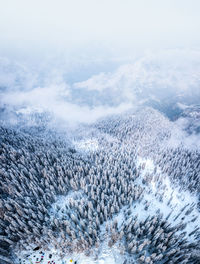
{"x":90,"y":144}
{"x":63,"y":201}
{"x":173,"y":200}
{"x":106,"y":255}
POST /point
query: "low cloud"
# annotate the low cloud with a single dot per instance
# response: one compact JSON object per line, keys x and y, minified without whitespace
{"x":169,"y":73}
{"x":161,"y":74}
{"x":54,"y":100}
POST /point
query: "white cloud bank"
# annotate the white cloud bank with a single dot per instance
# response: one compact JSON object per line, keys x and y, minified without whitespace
{"x":167,"y":72}
{"x":170,"y":73}
{"x":52,"y":100}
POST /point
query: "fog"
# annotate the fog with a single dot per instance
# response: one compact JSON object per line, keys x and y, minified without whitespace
{"x":83,"y":60}
{"x":94,"y":29}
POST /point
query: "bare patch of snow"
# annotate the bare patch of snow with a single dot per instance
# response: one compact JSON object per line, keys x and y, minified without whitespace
{"x":87,"y":144}
{"x":167,"y":199}
{"x":105,"y":255}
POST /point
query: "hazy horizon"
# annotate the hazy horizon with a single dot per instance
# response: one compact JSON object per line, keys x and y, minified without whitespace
{"x":96,"y":30}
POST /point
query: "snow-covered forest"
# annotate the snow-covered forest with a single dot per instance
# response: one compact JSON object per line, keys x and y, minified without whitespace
{"x":126,"y":195}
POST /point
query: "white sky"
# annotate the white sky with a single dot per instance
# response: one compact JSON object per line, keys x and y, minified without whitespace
{"x":113,"y":27}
